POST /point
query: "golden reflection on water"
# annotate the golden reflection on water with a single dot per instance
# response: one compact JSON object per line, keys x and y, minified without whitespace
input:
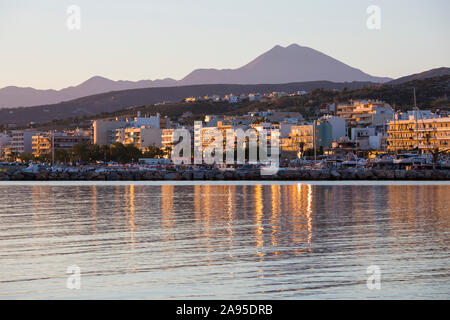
{"x":167,"y":213}
{"x":259,"y":228}
{"x":129,"y":213}
{"x":273,"y":216}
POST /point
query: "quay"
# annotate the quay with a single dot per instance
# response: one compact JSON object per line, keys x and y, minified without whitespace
{"x":17,"y":173}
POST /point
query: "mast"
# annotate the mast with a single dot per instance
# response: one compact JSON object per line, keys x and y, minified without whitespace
{"x":314,"y":143}
{"x":417,"y":122}
{"x":53,"y":147}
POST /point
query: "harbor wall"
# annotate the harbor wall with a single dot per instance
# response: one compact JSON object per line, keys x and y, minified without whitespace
{"x":298,"y":174}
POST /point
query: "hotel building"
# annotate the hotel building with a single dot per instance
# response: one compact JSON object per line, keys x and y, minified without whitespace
{"x":425,"y":134}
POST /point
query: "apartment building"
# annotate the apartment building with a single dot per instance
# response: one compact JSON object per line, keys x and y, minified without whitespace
{"x":424,"y":134}
{"x":105,"y":129}
{"x":21,"y":141}
{"x":318,"y":134}
{"x":142,"y":137}
{"x":365,"y":113}
{"x":42,"y":143}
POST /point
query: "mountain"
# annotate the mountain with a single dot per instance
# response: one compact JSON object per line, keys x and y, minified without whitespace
{"x":282,"y":65}
{"x":118,"y":100}
{"x":278,"y":65}
{"x":24,"y":97}
{"x":423,"y":75}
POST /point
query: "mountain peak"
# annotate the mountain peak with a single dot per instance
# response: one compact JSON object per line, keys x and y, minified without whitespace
{"x":293,"y":45}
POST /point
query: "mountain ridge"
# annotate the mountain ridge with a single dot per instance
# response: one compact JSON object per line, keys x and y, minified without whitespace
{"x":279,"y":65}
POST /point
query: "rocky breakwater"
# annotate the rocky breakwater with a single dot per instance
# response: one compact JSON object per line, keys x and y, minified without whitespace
{"x":136,"y":174}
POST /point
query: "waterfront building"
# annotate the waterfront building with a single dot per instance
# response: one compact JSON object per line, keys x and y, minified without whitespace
{"x":366,"y":138}
{"x":423,"y":134}
{"x":43,"y":143}
{"x":142,"y":137}
{"x":21,"y":141}
{"x":4,"y":144}
{"x":338,"y":126}
{"x":310,"y":136}
{"x":105,"y":129}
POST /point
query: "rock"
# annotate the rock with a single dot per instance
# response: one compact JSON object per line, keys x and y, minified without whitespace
{"x":171,"y":176}
{"x":400,"y":174}
{"x":187,"y":175}
{"x":389,"y":175}
{"x":324,"y":175}
{"x":335,"y":175}
{"x":198,"y":175}
{"x":41,"y":176}
{"x":4,"y":177}
{"x":364,"y":174}
{"x":92,"y":175}
{"x":113,"y":176}
{"x":229,"y":175}
{"x":147,"y":175}
{"x":100,"y":177}
{"x":17,"y":176}
{"x":314,"y":175}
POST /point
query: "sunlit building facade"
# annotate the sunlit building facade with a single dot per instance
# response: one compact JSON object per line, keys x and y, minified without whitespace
{"x":425,"y":134}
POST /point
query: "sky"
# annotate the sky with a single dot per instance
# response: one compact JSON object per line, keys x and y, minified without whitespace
{"x":146,"y":39}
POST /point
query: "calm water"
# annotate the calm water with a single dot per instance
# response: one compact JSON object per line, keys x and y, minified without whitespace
{"x":225,"y":241}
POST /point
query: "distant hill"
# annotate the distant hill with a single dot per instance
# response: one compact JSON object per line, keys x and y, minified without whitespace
{"x":278,"y":65}
{"x":23,"y":97}
{"x":117,"y":100}
{"x":423,"y":75}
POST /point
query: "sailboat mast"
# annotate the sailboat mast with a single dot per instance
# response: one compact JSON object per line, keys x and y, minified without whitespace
{"x":417,"y":123}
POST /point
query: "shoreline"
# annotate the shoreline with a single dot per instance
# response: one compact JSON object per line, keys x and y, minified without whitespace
{"x":237,"y":175}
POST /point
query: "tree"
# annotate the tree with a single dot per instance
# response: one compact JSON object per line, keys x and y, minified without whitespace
{"x":81,"y":152}
{"x":124,"y":153}
{"x":153,"y":152}
{"x":25,"y":157}
{"x":62,"y":155}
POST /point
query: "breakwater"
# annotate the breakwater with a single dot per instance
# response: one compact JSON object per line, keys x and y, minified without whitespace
{"x":131,"y":174}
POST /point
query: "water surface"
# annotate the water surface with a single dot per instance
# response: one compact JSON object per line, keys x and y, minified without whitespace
{"x":234,"y":241}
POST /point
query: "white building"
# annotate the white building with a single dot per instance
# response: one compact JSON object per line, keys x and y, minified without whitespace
{"x":142,"y":137}
{"x":338,"y":126}
{"x":366,"y":138}
{"x":231,"y":98}
{"x":22,"y":141}
{"x":152,"y":121}
{"x":254,"y":97}
{"x":104,"y":131}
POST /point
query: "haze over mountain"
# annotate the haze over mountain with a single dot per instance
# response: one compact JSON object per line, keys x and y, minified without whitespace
{"x":278,"y":65}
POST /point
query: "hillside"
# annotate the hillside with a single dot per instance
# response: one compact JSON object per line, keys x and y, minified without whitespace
{"x":423,"y":75}
{"x":431,"y":94}
{"x":113,"y":101}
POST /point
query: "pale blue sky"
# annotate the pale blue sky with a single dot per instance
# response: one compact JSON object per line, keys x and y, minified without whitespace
{"x":146,"y":39}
